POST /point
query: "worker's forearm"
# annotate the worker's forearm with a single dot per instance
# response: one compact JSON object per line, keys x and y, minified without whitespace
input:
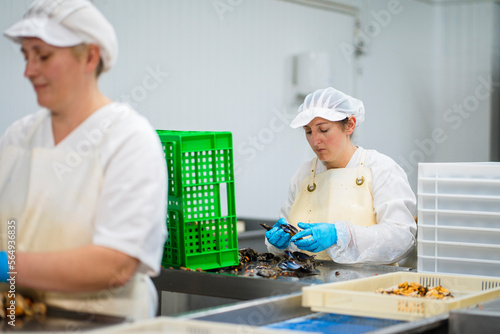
{"x":88,"y":268}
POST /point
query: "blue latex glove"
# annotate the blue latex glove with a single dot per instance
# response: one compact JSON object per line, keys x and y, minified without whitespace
{"x":4,"y":267}
{"x":277,"y":237}
{"x":315,"y":237}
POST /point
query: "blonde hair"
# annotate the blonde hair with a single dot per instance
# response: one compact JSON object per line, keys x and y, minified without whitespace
{"x":79,"y":50}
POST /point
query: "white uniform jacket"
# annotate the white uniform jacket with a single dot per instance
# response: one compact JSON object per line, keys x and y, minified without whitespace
{"x":393,"y":237}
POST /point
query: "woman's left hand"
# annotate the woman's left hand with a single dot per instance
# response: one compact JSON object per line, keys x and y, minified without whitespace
{"x":315,"y":237}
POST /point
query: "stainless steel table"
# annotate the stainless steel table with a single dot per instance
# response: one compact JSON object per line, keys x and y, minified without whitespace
{"x":260,"y":301}
{"x":246,"y":285}
{"x":61,"y":320}
{"x":483,"y":318}
{"x":265,"y":311}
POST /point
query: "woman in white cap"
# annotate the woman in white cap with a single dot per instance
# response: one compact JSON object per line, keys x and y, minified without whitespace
{"x":354,"y":205}
{"x":83,"y":180}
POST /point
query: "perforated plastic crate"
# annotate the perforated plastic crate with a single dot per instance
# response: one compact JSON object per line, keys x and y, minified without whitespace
{"x":358,"y":296}
{"x":459,"y":218}
{"x":201,"y":217}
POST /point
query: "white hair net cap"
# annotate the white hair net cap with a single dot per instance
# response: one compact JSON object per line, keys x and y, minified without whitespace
{"x":330,"y":104}
{"x":65,"y":23}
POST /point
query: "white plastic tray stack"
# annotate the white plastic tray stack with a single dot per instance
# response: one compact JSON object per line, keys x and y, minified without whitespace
{"x":459,"y":218}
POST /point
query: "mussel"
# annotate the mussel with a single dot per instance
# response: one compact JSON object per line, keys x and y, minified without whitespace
{"x":303,"y":257}
{"x":288,"y":255}
{"x":296,"y":266}
{"x":271,"y":266}
{"x":289,"y":265}
{"x":269,"y":272}
{"x":247,"y":255}
{"x":297,"y":261}
{"x":266,"y":257}
{"x":290,"y":229}
{"x":298,"y":256}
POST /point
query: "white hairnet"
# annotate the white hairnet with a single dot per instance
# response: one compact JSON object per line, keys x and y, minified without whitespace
{"x":65,"y":23}
{"x":330,"y":104}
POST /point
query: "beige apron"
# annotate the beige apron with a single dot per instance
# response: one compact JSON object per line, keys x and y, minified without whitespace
{"x":341,"y":194}
{"x":55,"y":213}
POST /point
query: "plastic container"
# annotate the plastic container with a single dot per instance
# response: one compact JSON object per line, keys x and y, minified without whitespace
{"x":358,"y":297}
{"x":459,"y":218}
{"x":201,"y":217}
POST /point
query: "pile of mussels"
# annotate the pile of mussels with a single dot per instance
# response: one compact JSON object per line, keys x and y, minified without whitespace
{"x":268,"y":265}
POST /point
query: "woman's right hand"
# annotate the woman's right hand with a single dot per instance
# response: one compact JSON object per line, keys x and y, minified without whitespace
{"x":277,"y":236}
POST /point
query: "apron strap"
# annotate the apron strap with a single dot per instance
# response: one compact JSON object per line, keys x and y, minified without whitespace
{"x":360,"y":179}
{"x":312,"y":185}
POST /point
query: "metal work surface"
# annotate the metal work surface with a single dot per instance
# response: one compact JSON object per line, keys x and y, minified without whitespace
{"x":483,"y":318}
{"x":245,"y":285}
{"x":60,"y":320}
{"x":257,"y":312}
{"x":266,"y":311}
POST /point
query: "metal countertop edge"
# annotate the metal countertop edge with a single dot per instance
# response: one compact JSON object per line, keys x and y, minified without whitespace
{"x":220,"y":285}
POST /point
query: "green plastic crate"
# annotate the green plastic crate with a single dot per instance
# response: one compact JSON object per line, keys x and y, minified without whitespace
{"x":201,"y":218}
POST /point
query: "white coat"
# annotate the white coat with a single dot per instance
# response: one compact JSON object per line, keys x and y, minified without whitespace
{"x":394,"y":204}
{"x":104,"y":184}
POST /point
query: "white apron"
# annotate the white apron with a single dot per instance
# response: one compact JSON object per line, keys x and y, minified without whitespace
{"x":342,"y":194}
{"x":56,"y":213}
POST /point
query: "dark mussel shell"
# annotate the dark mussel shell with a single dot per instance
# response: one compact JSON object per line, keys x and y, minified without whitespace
{"x":289,"y":265}
{"x":246,"y":255}
{"x":263,"y":266}
{"x":288,"y":255}
{"x":307,"y":268}
{"x":267,"y":227}
{"x":302,"y":257}
{"x":269,"y":273}
{"x":298,"y":256}
{"x":290,"y":229}
{"x":266,"y":257}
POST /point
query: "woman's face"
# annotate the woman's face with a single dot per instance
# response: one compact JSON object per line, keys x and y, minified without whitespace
{"x":55,"y":73}
{"x":330,"y":141}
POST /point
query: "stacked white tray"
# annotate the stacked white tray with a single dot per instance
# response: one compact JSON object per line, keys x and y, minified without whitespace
{"x":459,"y":218}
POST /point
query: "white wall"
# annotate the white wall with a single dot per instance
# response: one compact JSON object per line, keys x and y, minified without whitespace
{"x":232,"y":70}
{"x":395,"y":80}
{"x":464,"y":73}
{"x":217,"y":71}
{"x":16,"y":95}
{"x":422,"y":82}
